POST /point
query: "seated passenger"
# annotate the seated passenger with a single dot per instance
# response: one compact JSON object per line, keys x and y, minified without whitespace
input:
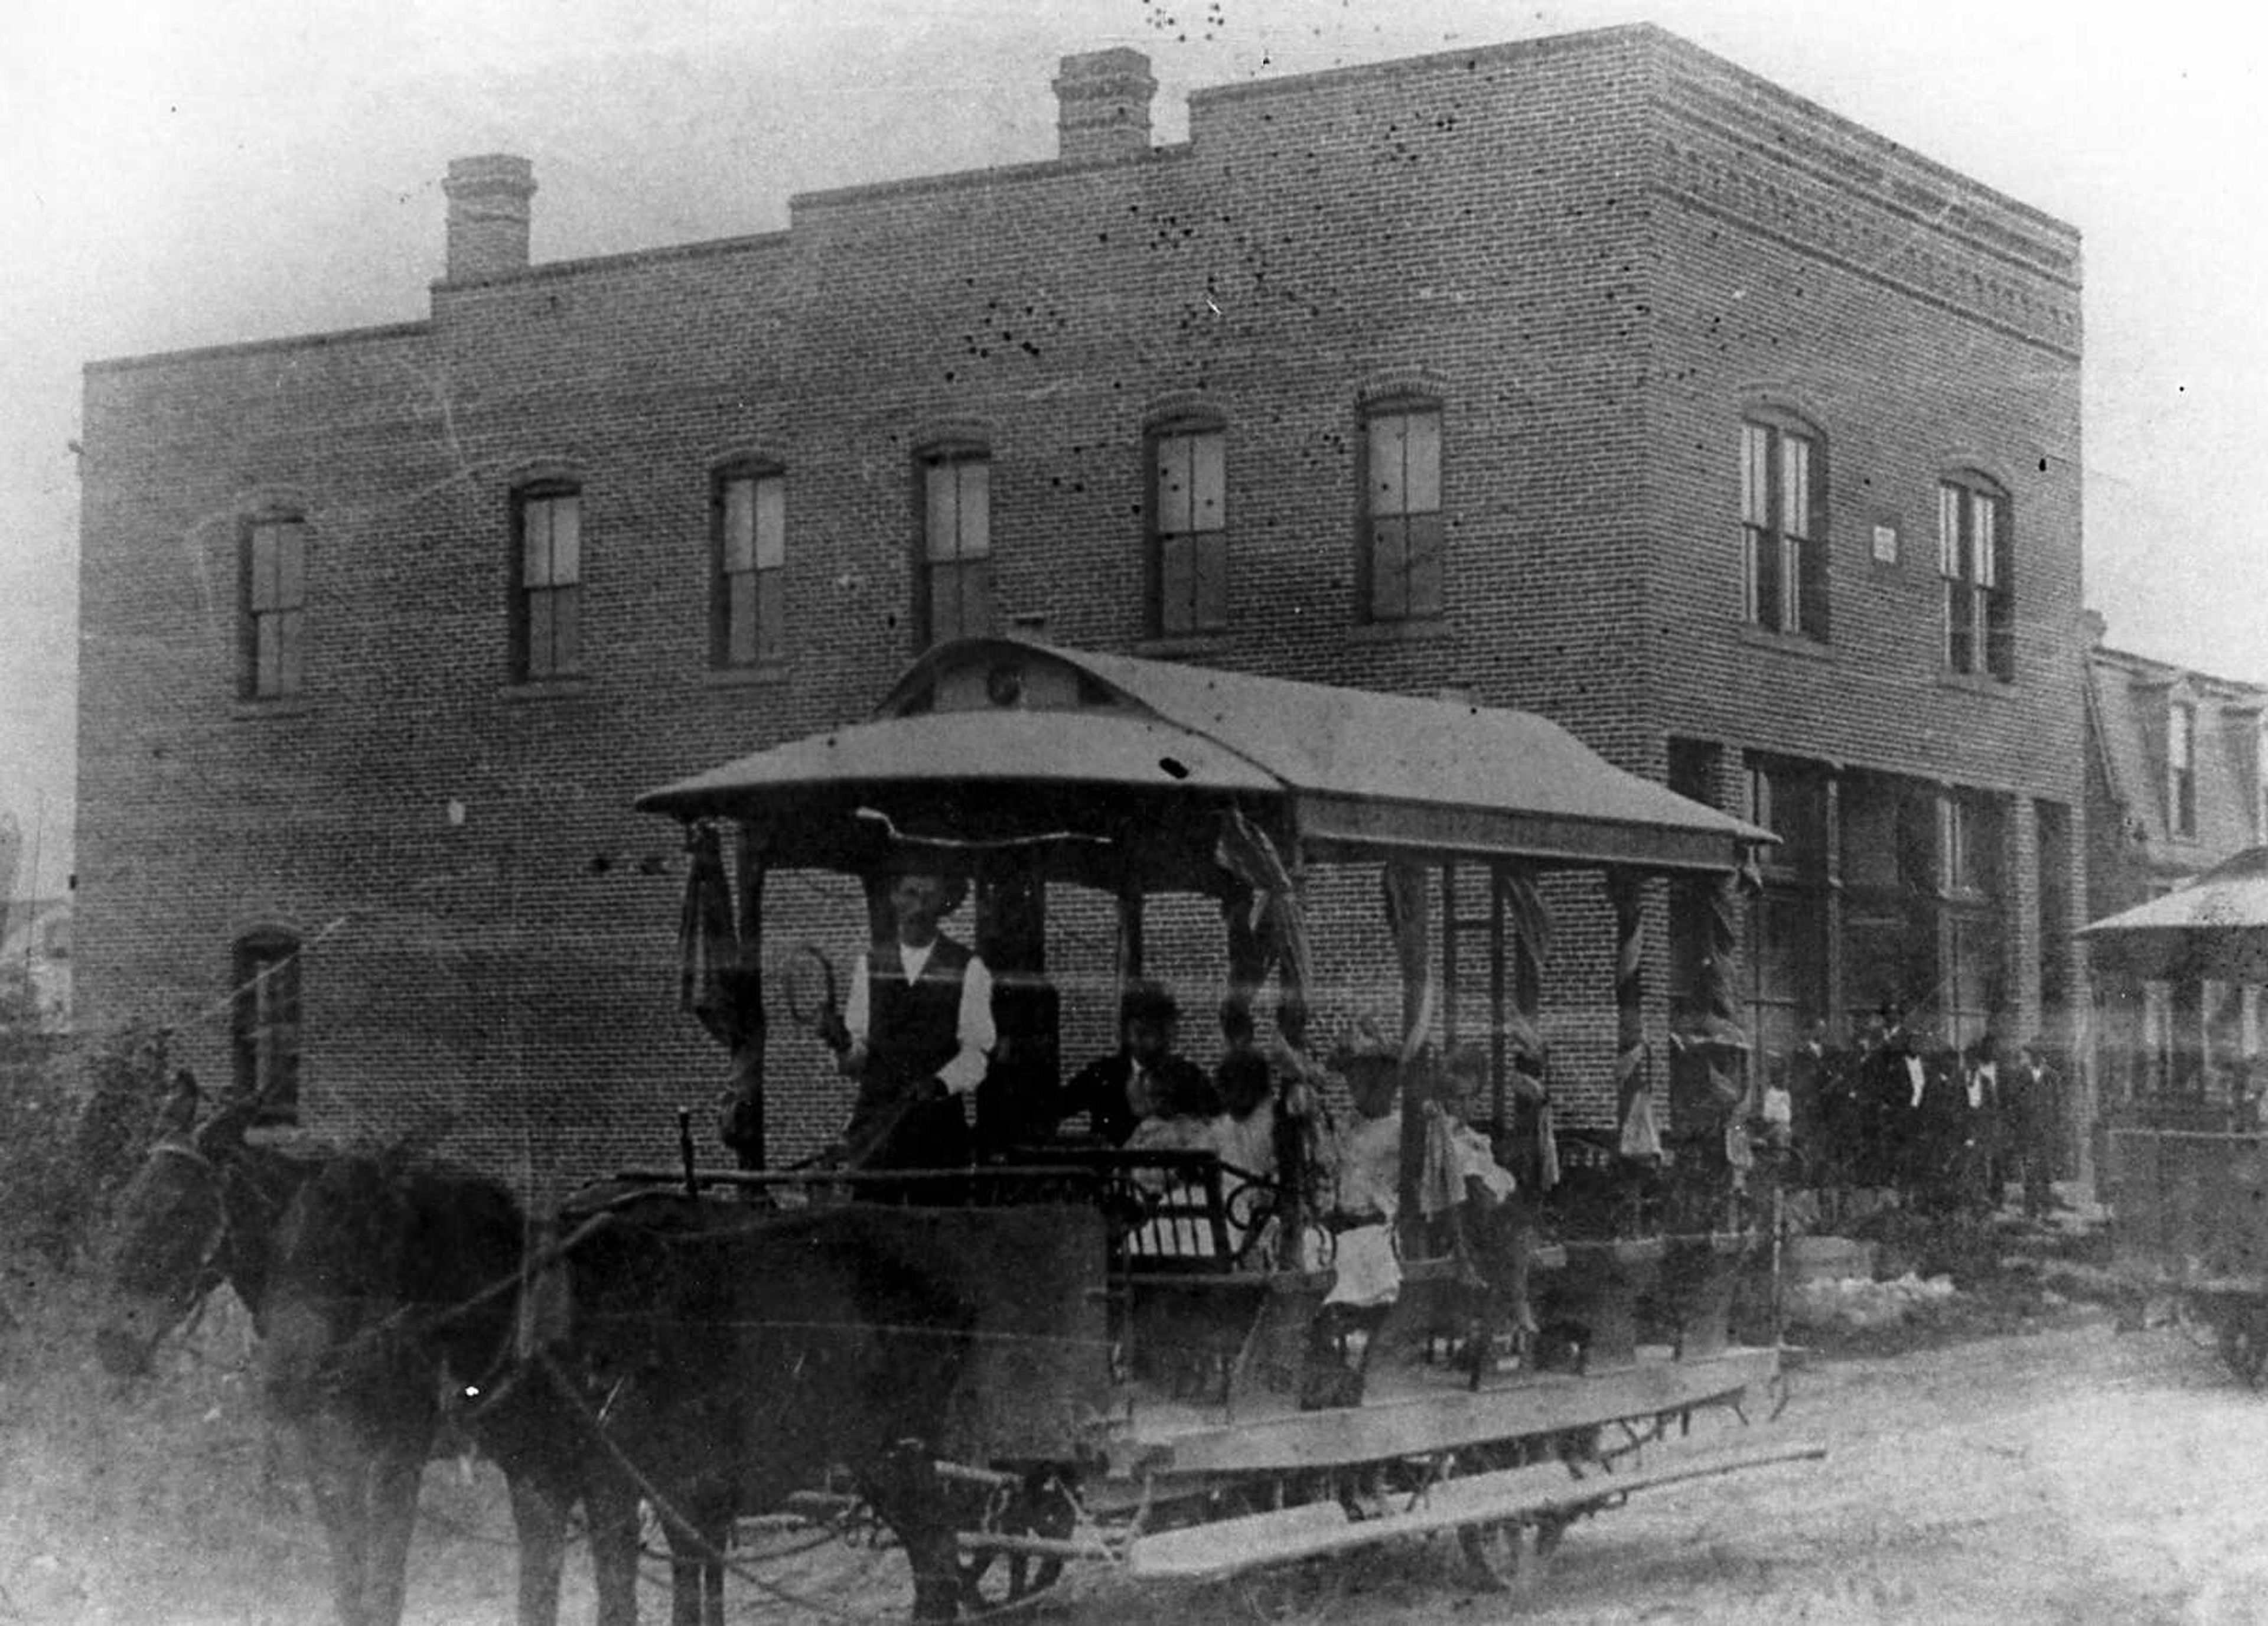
{"x":1496,"y":1219}
{"x":1143,"y":1079}
{"x":1461,"y":1165}
{"x":1368,"y":1181}
{"x":1244,"y":1134}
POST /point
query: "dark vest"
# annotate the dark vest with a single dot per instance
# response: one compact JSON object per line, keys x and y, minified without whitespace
{"x":912,"y":1028}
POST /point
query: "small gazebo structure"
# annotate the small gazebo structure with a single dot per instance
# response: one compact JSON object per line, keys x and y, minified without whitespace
{"x":2177,"y":975}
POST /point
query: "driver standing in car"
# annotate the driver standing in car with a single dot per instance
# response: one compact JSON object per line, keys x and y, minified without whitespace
{"x":919,"y":1017}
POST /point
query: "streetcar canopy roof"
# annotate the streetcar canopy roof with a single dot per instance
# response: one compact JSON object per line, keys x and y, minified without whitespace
{"x":2215,"y":928}
{"x":995,"y":741}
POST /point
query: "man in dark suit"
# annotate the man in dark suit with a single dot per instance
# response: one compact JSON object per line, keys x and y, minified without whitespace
{"x":1892,"y":1076}
{"x":1143,"y":1078}
{"x":2035,"y":1113}
{"x":1810,"y":1109}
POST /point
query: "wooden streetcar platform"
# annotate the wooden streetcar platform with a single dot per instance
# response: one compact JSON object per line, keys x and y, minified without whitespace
{"x":1416,"y":1411}
{"x":1511,"y":1496}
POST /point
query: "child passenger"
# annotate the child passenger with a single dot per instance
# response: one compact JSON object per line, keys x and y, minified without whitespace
{"x":1368,"y":1184}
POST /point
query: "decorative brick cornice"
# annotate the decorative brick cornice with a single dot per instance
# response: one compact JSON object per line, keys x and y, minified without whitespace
{"x":1826,"y":189}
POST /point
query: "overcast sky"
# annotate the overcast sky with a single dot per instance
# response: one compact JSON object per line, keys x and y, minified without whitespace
{"x":178,"y":172}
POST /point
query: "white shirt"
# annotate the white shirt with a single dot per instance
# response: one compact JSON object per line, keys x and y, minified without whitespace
{"x":978,"y":1037}
{"x":1370,"y":1167}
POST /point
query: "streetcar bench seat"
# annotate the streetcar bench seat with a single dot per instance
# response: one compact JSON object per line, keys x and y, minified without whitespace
{"x":1189,"y":1212}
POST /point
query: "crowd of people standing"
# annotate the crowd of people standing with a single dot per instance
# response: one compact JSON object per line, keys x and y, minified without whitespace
{"x":1948,"y":1129}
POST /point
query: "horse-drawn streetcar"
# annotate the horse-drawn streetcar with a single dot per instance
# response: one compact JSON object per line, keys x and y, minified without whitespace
{"x":1190,"y":1388}
{"x":1367,"y":1294}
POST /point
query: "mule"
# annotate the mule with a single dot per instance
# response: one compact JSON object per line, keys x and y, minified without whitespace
{"x":200,"y":1212}
{"x":208,"y":1208}
{"x":389,"y":1285}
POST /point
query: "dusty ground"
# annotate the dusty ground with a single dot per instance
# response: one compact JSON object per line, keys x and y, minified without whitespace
{"x":2066,"y":1473}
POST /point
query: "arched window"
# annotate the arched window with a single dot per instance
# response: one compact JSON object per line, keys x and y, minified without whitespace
{"x":1784,"y":524}
{"x":1399,"y":570}
{"x":1187,"y":561}
{"x":547,"y":581}
{"x":272,"y":600}
{"x":264,"y":1021}
{"x":748,"y":613}
{"x":1975,"y":556}
{"x":953,"y":572}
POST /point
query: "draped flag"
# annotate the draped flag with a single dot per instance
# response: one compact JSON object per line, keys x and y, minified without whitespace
{"x":1268,"y":931}
{"x":708,"y":947}
{"x":1547,"y":1145}
{"x":1531,"y":929}
{"x":1522,"y":901}
{"x":1409,"y":919}
{"x":720,"y":980}
{"x":1275,"y":928}
{"x":1721,"y":1032}
{"x":1641,"y":1135}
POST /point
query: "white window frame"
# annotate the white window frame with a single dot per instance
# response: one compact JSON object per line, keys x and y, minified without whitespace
{"x":954,"y":567}
{"x":1188,"y":529}
{"x":750,"y":624}
{"x":2181,"y":769}
{"x":1781,"y":527}
{"x":274,"y":607}
{"x":1979,"y":613}
{"x":1403,"y":563}
{"x":548,"y":578}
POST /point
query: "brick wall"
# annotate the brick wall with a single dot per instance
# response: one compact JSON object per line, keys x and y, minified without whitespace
{"x":1511,"y":229}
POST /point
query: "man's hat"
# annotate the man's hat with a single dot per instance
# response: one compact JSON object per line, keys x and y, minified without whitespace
{"x":904,"y":861}
{"x":1146,"y":1001}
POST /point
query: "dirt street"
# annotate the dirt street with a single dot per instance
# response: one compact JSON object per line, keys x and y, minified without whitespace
{"x":2073,"y":1475}
{"x":2069,"y":1475}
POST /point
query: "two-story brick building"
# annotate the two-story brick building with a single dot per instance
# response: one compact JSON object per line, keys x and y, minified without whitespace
{"x":1590,"y":375}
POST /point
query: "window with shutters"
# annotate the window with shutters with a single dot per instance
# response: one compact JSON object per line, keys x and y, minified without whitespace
{"x":1783,"y":525}
{"x":1975,"y":558}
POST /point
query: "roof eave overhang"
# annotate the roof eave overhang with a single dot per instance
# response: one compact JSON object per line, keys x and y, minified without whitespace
{"x":1332,"y":824}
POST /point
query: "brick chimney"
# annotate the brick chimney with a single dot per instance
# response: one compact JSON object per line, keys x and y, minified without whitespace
{"x":1103,"y":102}
{"x":487,"y":215}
